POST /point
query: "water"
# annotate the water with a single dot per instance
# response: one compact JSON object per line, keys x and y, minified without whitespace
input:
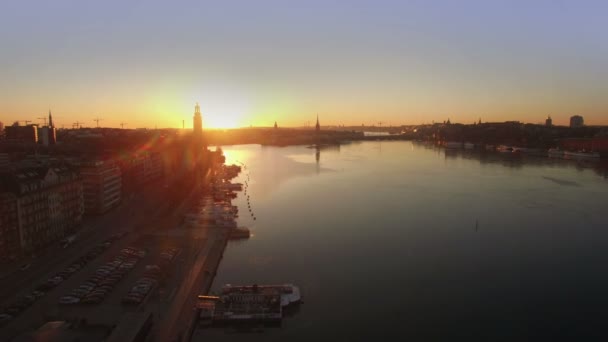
{"x":396,"y":239}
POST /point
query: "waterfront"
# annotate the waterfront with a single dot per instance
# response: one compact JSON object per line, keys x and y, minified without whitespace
{"x":396,"y":238}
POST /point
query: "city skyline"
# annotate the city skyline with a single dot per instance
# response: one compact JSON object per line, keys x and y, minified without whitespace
{"x":257,"y":63}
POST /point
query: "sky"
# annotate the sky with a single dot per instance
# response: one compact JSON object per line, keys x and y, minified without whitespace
{"x":146,"y":63}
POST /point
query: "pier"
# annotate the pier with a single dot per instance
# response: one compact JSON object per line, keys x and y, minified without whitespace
{"x":211,"y":221}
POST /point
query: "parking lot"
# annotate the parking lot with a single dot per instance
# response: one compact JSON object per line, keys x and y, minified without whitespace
{"x":16,"y":307}
{"x":126,"y":282}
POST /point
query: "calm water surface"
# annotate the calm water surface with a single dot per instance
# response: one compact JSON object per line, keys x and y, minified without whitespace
{"x":391,"y":239}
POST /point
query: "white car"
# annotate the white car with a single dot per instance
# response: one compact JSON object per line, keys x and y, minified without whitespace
{"x":69,"y":300}
{"x":5,"y":318}
{"x":55,"y":280}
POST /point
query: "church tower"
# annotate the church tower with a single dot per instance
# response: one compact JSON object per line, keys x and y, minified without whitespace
{"x":317,"y":126}
{"x":197,"y":121}
{"x":52,"y":132}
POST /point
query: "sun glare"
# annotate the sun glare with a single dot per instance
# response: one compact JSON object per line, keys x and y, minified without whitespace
{"x":224,"y":114}
{"x":221,"y":120}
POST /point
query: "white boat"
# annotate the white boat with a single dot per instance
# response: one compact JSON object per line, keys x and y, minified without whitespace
{"x":290,"y":294}
{"x":252,"y":303}
{"x":469,"y":146}
{"x":581,"y":155}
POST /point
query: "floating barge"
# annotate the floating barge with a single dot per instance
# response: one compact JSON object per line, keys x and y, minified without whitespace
{"x":240,"y":233}
{"x":248,"y":304}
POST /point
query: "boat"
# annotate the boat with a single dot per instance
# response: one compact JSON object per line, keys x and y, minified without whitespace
{"x":469,"y":146}
{"x":240,"y":233}
{"x":245,"y":304}
{"x":581,"y":155}
{"x":452,"y":144}
{"x":505,"y":149}
{"x":290,"y":294}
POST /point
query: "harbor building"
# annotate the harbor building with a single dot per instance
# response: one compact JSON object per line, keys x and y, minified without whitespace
{"x":48,"y":203}
{"x":102,"y":182}
{"x":10,"y":246}
{"x":598,"y":144}
{"x":138,"y":169}
{"x":153,"y":166}
{"x":5,"y":162}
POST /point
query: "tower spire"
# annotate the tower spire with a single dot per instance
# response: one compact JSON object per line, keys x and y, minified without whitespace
{"x":50,"y":119}
{"x":197,"y":121}
{"x":317,"y":126}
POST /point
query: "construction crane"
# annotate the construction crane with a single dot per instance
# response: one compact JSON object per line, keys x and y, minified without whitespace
{"x":97,"y":121}
{"x":43,"y":119}
{"x":122,"y":125}
{"x":26,"y":121}
{"x":77,"y":124}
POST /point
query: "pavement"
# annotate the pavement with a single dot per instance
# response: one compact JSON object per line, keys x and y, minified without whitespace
{"x":176,"y":325}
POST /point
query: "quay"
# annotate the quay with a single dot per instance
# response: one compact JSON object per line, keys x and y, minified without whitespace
{"x":212,"y":217}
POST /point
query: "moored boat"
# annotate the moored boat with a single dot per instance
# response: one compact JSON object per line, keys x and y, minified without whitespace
{"x":452,"y":144}
{"x":581,"y":155}
{"x":505,"y":149}
{"x":244,"y":304}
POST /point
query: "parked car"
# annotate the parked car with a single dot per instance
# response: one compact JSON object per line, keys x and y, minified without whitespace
{"x":5,"y":318}
{"x":15,"y":309}
{"x":37,"y":293}
{"x":91,"y":300}
{"x":66,"y":300}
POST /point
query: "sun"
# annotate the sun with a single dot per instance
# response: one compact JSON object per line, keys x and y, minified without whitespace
{"x":224,"y":115}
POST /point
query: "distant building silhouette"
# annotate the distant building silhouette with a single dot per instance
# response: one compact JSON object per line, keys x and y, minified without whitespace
{"x":27,"y":133}
{"x":549,"y":121}
{"x":43,"y":135}
{"x":317,"y":126}
{"x":576,"y":121}
{"x":197,"y":121}
{"x":275,"y":125}
{"x":47,"y":135}
{"x":52,"y":133}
